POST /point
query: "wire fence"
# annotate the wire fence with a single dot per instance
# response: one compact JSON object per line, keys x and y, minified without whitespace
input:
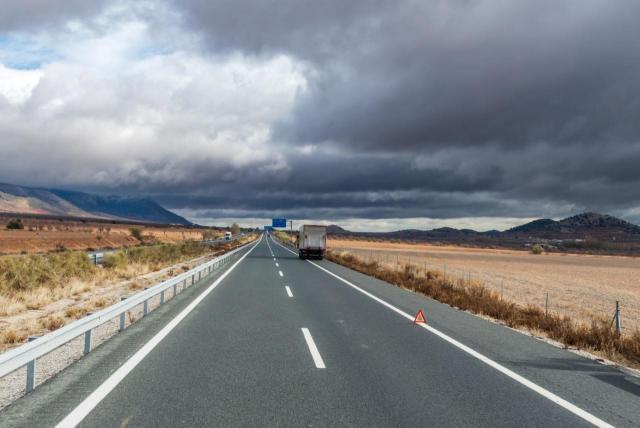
{"x":580,"y":303}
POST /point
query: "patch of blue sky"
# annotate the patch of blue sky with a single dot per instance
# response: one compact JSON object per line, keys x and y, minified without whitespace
{"x":23,"y":53}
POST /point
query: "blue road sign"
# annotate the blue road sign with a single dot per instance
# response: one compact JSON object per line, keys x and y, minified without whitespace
{"x":279,"y":222}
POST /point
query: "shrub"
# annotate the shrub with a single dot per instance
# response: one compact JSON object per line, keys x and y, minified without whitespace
{"x":15,"y":224}
{"x":114,"y":260}
{"x":537,"y":249}
{"x":136,"y":233}
{"x":18,"y":273}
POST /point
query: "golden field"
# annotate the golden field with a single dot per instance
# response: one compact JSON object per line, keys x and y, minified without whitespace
{"x":582,"y":286}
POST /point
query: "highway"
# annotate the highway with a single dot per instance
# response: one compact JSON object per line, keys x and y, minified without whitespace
{"x":278,"y":341}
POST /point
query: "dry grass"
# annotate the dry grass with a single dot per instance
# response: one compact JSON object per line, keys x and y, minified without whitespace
{"x":52,"y":322}
{"x":40,"y":293}
{"x":581,"y":286}
{"x":476,"y":298}
{"x":12,"y":336}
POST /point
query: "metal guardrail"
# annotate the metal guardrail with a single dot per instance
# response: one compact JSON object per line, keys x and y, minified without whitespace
{"x":27,"y":354}
{"x":97,"y":257}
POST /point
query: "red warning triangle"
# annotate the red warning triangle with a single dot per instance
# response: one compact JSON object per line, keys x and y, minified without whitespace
{"x":420,"y":318}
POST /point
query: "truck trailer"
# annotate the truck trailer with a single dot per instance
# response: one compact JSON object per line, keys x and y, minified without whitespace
{"x":312,"y":241}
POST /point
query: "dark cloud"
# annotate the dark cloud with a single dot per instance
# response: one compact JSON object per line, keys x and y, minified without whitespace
{"x":36,"y":15}
{"x":410,"y":109}
{"x":533,"y":103}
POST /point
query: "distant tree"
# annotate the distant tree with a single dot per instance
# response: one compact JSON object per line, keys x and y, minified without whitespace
{"x":15,"y":224}
{"x":136,"y":233}
{"x":235,"y":228}
{"x":537,"y":249}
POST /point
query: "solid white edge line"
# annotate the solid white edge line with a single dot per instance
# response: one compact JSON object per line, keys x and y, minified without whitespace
{"x":289,"y":293}
{"x":88,"y":404}
{"x":499,"y":367}
{"x":280,"y":273}
{"x":315,"y":354}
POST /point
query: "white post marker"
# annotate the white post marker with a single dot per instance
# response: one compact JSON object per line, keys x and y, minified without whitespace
{"x":289,"y":293}
{"x":315,"y":354}
{"x":491,"y":363}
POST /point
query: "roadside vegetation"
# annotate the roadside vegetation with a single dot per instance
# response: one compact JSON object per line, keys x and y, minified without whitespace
{"x":537,"y":249}
{"x":597,"y":336}
{"x":288,"y":237}
{"x":15,"y":224}
{"x":69,"y":281}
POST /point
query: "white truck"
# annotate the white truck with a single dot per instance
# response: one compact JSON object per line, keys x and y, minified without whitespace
{"x":227,"y":236}
{"x":312,"y":241}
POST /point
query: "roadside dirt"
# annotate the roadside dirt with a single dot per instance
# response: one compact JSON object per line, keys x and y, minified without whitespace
{"x":47,"y":235}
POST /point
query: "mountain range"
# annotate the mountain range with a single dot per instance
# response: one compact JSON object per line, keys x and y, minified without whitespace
{"x":582,"y":226}
{"x":53,"y":202}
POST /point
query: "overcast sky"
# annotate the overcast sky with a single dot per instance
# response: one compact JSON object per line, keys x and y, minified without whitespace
{"x":368,"y":113}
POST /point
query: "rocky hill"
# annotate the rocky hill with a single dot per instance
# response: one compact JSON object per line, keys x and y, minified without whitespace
{"x":53,"y":202}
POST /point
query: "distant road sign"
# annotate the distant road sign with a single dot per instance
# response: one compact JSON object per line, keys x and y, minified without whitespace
{"x":279,"y":222}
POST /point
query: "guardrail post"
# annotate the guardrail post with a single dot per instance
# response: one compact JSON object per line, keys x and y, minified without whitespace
{"x":193,"y":279}
{"x":162,"y":297}
{"x":175,"y":289}
{"x":145,"y":309}
{"x":87,"y":339}
{"x":122,"y":317}
{"x":31,"y":371}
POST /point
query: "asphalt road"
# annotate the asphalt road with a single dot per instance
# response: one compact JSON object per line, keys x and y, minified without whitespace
{"x":277,"y":341}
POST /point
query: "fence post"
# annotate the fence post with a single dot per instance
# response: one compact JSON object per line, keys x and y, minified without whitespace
{"x":87,"y":339}
{"x":122,"y":316}
{"x":546,"y":304}
{"x":31,"y":371}
{"x":617,"y":317}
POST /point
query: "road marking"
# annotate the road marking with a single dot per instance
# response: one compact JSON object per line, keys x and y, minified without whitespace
{"x":82,"y":410}
{"x":315,"y":354}
{"x":499,"y":367}
{"x":289,"y":293}
{"x":274,"y":259}
{"x":280,"y":273}
{"x":277,"y":265}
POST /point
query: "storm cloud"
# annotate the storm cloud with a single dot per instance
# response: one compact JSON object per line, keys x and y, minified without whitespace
{"x":334,"y":110}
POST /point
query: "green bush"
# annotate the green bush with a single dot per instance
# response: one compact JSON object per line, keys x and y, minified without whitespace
{"x":15,"y":224}
{"x":136,"y":233}
{"x":537,"y":249}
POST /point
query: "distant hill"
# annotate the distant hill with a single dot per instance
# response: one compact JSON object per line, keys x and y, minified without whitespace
{"x":586,"y":225}
{"x":28,"y":200}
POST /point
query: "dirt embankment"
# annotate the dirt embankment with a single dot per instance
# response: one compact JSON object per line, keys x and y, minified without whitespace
{"x":43,"y":235}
